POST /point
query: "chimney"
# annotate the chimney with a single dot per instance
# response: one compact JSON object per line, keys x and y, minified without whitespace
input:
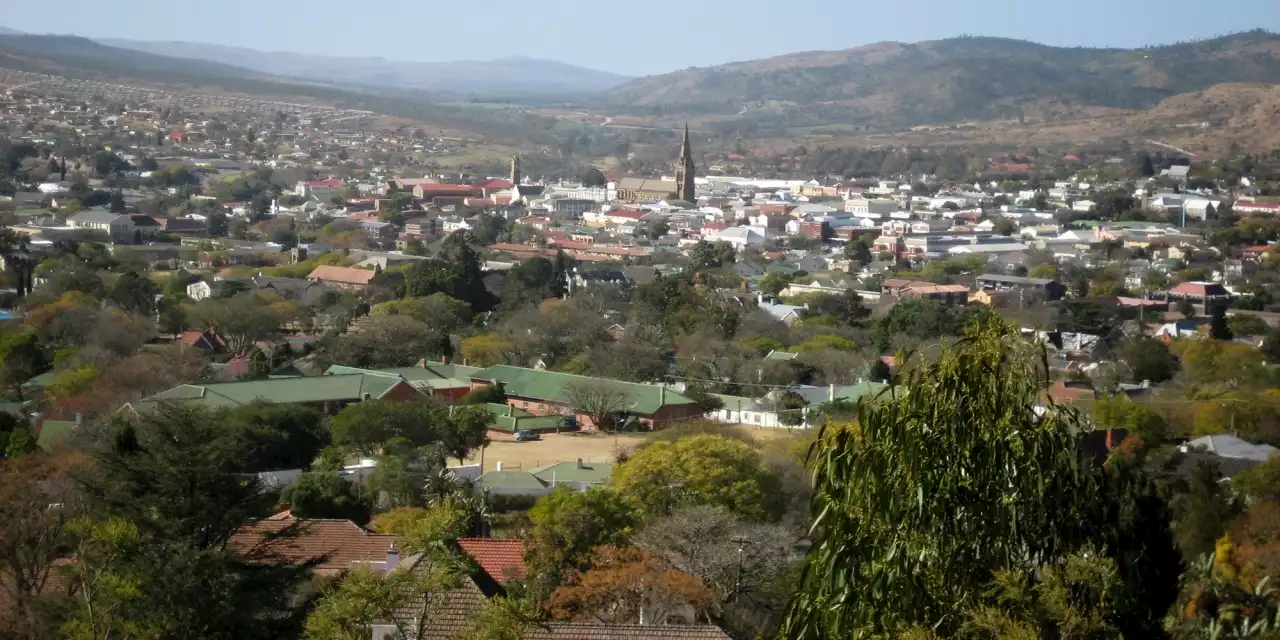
{"x":580,"y":464}
{"x":662,"y":396}
{"x":1110,"y":443}
{"x":831,"y":393}
{"x":365,"y":397}
{"x":499,"y":465}
{"x":446,"y":358}
{"x":393,"y":558}
{"x":79,"y":418}
{"x":1146,"y":384}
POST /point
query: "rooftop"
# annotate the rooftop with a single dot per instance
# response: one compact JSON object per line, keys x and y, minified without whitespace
{"x":547,"y":385}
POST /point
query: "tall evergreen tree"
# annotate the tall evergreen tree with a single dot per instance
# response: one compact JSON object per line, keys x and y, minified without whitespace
{"x":954,"y":480}
{"x":179,"y":477}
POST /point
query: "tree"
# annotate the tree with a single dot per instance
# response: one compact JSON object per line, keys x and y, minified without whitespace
{"x":368,"y":426}
{"x":107,"y":589}
{"x":134,"y":293}
{"x":628,"y":586}
{"x":37,"y":502}
{"x":217,"y":225}
{"x":847,"y":308}
{"x":656,"y":228}
{"x":327,"y":496}
{"x":745,"y":565}
{"x":701,"y":469}
{"x":889,"y":543}
{"x":406,"y":598}
{"x":240,"y":321}
{"x":859,"y":251}
{"x":1149,"y":359}
{"x":594,"y":178}
{"x":1145,"y":168}
{"x":1187,"y":308}
{"x":1245,"y":324}
{"x":1261,"y":482}
{"x":566,"y":526}
{"x":465,"y":431}
{"x":1202,"y":512}
{"x":1046,"y":271}
{"x":502,"y":618}
{"x":284,"y":436}
{"x":1218,"y":327}
{"x":600,"y":400}
{"x":486,"y":350}
{"x":774,"y":282}
{"x":177,"y":476}
{"x":21,"y":358}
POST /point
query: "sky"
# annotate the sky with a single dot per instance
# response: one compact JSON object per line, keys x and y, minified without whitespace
{"x":631,"y":38}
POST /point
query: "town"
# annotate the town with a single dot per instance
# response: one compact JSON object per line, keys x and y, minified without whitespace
{"x":497,"y":398}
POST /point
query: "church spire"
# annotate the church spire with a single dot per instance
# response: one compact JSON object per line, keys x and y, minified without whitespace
{"x":685,"y":170}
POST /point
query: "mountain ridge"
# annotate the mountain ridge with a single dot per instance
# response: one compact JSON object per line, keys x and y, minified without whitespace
{"x":894,"y":84}
{"x":511,"y":75}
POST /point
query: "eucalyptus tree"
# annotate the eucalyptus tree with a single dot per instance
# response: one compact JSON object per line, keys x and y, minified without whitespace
{"x":957,"y":477}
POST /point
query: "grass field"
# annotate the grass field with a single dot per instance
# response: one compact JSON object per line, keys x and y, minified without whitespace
{"x":566,"y":447}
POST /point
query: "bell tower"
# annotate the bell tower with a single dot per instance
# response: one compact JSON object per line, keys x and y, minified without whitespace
{"x":685,"y":170}
{"x":515,"y":171}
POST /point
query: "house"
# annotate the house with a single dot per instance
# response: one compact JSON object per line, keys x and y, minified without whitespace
{"x":550,"y":393}
{"x":203,"y":290}
{"x":338,"y":545}
{"x":1229,"y":446}
{"x":1173,"y":330}
{"x":326,"y":393}
{"x":444,"y":381}
{"x":501,"y":558}
{"x":345,"y":278}
{"x":307,"y":292}
{"x":945,"y":293}
{"x":206,"y":341}
{"x":1201,"y":292}
{"x":1046,"y":289}
{"x":786,"y":313}
{"x":1254,"y":207}
{"x":183,"y":226}
{"x":742,"y":237}
{"x":117,"y":225}
{"x":451,"y":615}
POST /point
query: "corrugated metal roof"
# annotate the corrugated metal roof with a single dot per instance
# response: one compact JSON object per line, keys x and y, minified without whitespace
{"x":547,"y":385}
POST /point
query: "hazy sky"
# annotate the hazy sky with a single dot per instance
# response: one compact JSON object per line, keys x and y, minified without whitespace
{"x":634,"y":38}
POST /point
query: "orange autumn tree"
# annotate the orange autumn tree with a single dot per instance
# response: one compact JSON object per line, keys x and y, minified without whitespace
{"x":629,"y":586}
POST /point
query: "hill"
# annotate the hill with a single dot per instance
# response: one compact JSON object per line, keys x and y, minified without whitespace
{"x":891,"y":84}
{"x":505,"y":76}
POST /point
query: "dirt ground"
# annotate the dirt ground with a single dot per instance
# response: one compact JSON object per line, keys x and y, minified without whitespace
{"x":567,"y":447}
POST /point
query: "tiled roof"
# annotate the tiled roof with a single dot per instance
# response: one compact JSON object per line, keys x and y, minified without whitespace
{"x":587,"y":631}
{"x":345,"y":275}
{"x":547,"y":385}
{"x":341,"y":542}
{"x":501,"y":558}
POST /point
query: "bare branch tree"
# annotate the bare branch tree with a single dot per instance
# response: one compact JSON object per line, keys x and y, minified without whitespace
{"x":599,"y":400}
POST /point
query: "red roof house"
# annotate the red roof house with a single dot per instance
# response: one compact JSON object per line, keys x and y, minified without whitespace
{"x":501,"y":558}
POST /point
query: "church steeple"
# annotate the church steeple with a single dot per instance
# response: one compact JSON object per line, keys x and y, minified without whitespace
{"x":515,"y":170}
{"x":685,"y":171}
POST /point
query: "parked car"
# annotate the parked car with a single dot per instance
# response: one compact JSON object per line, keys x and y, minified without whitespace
{"x":525,"y":435}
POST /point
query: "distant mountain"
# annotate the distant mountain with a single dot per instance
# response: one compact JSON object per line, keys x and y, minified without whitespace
{"x":80,"y":57}
{"x":5,"y":31}
{"x":892,"y":84}
{"x":505,"y":76}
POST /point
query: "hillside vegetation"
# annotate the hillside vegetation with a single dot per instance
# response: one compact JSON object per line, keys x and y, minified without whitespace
{"x":888,"y":85}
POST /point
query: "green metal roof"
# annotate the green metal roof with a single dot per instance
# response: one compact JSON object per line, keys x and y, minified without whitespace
{"x":854,"y":392}
{"x":646,"y":399}
{"x":591,"y":472}
{"x":41,"y":381}
{"x":510,"y":480}
{"x":54,"y":431}
{"x":281,"y":390}
{"x":434,"y":375}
